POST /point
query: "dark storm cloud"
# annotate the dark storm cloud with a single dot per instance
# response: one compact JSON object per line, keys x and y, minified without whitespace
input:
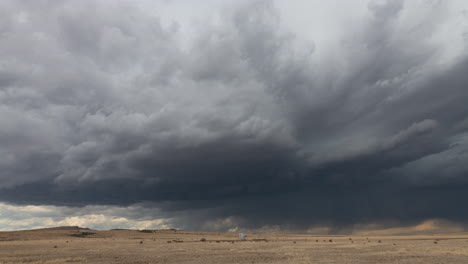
{"x":102,"y":103}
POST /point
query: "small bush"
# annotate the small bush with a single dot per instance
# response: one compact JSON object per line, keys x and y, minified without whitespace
{"x":435,"y":242}
{"x":141,"y":242}
{"x":380,"y":241}
{"x":330,"y":240}
{"x":202,"y":239}
{"x":83,"y":234}
{"x":55,"y":246}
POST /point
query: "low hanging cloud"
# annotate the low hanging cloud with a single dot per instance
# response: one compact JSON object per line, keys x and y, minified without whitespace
{"x":240,"y":119}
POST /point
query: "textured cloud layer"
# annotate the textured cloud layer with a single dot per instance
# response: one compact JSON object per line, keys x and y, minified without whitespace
{"x":239,"y":115}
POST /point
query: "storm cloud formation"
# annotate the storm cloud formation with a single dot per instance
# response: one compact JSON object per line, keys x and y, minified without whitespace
{"x":240,"y":118}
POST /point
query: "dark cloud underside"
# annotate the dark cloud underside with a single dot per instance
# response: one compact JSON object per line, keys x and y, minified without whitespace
{"x":105,"y":104}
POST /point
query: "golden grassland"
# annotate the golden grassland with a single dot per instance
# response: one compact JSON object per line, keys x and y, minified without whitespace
{"x":78,"y":245}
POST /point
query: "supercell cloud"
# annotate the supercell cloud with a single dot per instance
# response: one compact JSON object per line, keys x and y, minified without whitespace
{"x":226,"y":115}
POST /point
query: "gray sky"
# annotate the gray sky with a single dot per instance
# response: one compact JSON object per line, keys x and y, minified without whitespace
{"x":229,"y":115}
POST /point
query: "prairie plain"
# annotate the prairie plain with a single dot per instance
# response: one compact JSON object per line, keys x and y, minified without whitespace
{"x":81,"y":245}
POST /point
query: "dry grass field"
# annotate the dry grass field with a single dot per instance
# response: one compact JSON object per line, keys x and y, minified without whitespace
{"x":76,"y":245}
